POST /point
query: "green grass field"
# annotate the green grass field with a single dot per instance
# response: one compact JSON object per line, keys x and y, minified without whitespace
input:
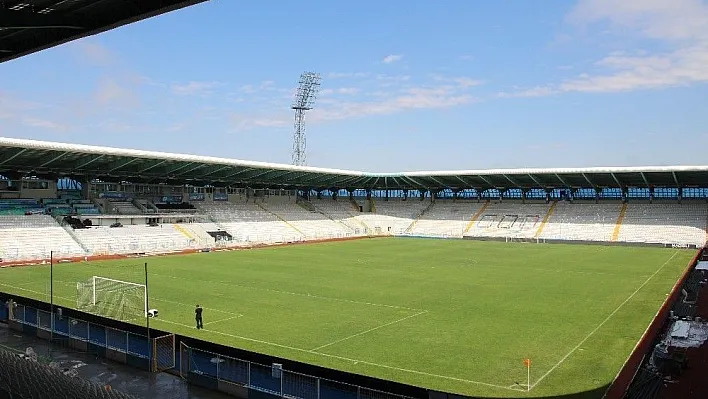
{"x":453,"y":315}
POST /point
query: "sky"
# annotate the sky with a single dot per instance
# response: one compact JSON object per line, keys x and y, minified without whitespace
{"x":406,"y":85}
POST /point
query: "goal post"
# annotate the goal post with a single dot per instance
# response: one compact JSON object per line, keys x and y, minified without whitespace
{"x":122,"y":300}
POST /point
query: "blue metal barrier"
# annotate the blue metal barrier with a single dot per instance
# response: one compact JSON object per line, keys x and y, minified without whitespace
{"x":207,"y":368}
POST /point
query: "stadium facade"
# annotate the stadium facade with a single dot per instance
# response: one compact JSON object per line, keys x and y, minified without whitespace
{"x":75,"y":193}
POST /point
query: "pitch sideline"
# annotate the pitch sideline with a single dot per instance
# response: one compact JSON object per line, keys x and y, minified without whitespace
{"x":603,"y":322}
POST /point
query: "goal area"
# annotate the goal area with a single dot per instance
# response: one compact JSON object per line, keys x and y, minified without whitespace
{"x":116,"y":299}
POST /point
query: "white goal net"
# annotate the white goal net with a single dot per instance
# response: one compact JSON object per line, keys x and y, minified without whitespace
{"x":117,"y":299}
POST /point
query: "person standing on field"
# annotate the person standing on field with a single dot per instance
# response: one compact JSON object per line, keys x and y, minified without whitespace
{"x":198,"y":317}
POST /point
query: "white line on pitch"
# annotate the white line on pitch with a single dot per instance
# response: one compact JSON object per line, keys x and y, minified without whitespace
{"x":370,"y":330}
{"x":222,"y":320}
{"x":295,"y":293}
{"x":192,"y":326}
{"x":36,"y":292}
{"x":184,"y":304}
{"x":604,"y":321}
{"x":317,"y":353}
{"x":355,"y":361}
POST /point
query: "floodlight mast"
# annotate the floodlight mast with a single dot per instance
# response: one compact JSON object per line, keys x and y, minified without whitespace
{"x":304,"y":100}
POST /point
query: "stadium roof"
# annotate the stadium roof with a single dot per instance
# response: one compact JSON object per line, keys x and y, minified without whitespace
{"x":28,"y":26}
{"x":39,"y":158}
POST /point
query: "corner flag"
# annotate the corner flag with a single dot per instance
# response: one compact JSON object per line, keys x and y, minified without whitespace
{"x":527,"y":363}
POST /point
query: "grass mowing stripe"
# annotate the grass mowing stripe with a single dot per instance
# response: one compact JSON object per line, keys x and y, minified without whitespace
{"x":604,"y":321}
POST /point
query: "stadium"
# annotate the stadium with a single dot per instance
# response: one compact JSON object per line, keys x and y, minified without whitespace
{"x":332,"y":283}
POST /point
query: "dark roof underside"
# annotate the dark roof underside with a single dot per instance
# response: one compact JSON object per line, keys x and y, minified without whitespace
{"x":18,"y":161}
{"x":28,"y":26}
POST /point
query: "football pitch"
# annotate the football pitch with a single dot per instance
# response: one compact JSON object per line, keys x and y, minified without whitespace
{"x":452,"y":315}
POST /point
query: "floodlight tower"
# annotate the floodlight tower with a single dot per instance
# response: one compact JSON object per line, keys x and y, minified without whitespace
{"x":303,"y":102}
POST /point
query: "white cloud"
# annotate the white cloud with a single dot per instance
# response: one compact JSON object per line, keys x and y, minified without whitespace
{"x":386,"y":102}
{"x":194,"y":88}
{"x":389,"y":59}
{"x":341,"y":90}
{"x":94,"y":52}
{"x":243,"y":122}
{"x":347,"y":75}
{"x":379,"y":95}
{"x":677,"y":27}
{"x":43,"y":123}
{"x":539,"y":91}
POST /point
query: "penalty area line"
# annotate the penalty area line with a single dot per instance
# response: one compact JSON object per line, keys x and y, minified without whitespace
{"x":370,"y":330}
{"x":355,"y":361}
{"x":604,"y":321}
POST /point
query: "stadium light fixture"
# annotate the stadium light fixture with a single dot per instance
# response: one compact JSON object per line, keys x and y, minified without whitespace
{"x":304,"y":101}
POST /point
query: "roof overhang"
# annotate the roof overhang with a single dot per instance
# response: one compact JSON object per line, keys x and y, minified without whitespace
{"x":30,"y":26}
{"x":20,"y":157}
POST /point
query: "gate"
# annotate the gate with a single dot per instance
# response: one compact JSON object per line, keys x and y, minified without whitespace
{"x":163,"y":353}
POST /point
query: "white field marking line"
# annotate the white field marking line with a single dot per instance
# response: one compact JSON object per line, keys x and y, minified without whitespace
{"x":36,"y":292}
{"x":296,"y":293}
{"x":355,"y":361}
{"x":319,"y":353}
{"x":604,"y":321}
{"x":223,"y":320}
{"x":192,"y":326}
{"x":370,"y":330}
{"x":184,"y":304}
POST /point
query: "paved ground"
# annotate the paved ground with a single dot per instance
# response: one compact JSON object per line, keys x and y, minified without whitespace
{"x":121,"y":377}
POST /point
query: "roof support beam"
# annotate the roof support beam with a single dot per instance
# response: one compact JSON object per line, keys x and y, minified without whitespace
{"x":58,"y":157}
{"x":517,"y":185}
{"x":236,"y":174}
{"x":644,"y":177}
{"x":214,"y":171}
{"x":587,"y":179}
{"x":123,"y":165}
{"x":346,"y":181}
{"x":487,"y":181}
{"x":199,"y":166}
{"x":535,"y":180}
{"x":20,"y":152}
{"x":561,"y":180}
{"x":327,"y":181}
{"x":256,"y":175}
{"x":79,"y":166}
{"x":442,"y":185}
{"x":418,"y":185}
{"x":466,"y":184}
{"x":616,"y":180}
{"x":673,"y":174}
{"x":153,"y":166}
{"x":170,"y":172}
